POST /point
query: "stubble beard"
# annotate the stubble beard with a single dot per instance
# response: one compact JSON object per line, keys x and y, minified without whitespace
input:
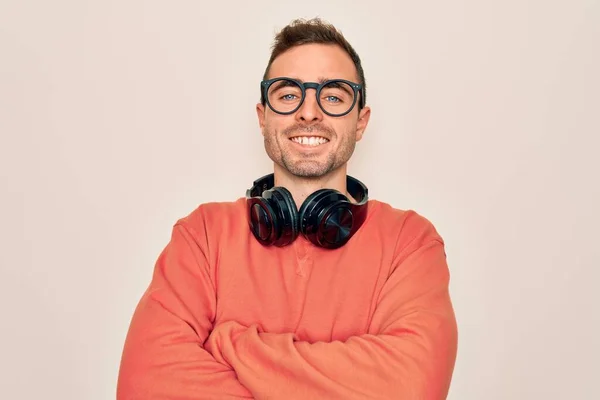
{"x":309,"y":165}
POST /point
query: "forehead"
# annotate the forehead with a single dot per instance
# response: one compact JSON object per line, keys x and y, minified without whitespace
{"x":311,"y":62}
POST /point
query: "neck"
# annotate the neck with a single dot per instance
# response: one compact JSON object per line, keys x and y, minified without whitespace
{"x":301,"y":187}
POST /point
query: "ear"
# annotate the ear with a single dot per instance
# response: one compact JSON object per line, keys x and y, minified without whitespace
{"x":260,"y":113}
{"x":363,"y":121}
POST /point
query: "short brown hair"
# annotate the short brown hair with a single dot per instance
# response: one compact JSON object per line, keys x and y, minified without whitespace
{"x":315,"y":30}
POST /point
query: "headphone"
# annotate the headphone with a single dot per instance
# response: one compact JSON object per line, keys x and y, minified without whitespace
{"x":326,"y":218}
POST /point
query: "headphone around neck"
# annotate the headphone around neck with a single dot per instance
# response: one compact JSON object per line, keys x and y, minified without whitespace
{"x":326,"y":218}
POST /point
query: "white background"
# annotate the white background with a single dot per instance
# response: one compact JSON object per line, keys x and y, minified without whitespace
{"x":114,"y":122}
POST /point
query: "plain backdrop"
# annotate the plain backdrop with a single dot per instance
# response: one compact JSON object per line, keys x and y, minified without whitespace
{"x":119,"y":117}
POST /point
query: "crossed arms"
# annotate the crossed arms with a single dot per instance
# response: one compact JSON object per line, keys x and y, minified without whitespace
{"x":172,"y":350}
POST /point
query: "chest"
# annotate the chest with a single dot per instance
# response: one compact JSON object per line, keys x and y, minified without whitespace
{"x":315,"y":293}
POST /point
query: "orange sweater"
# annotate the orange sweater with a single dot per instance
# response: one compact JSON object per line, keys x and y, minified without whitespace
{"x":225,"y":317}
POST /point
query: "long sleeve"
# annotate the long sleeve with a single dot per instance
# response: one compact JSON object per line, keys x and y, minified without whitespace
{"x":164,"y":355}
{"x":408,"y":352}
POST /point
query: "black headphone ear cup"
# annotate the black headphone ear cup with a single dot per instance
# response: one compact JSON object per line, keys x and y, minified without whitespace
{"x":326,"y":218}
{"x":313,"y":204}
{"x":263,"y":221}
{"x":289,"y":210}
{"x":284,"y":215}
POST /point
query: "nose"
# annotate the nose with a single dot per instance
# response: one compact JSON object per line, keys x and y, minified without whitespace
{"x":310,"y":110}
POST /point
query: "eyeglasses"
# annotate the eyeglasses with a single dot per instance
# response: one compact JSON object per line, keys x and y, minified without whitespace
{"x":336,"y":97}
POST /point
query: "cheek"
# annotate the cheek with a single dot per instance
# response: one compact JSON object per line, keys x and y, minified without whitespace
{"x":345,"y":129}
{"x":271,"y":131}
{"x":271,"y":121}
{"x":274,"y":126}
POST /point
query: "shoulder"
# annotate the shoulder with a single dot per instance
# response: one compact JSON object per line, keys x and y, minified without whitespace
{"x":406,"y":227}
{"x":215,"y":219}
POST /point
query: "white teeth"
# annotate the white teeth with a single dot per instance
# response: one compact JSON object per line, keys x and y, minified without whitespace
{"x":309,"y":141}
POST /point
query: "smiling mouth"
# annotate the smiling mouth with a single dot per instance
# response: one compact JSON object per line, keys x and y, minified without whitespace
{"x":309,"y":140}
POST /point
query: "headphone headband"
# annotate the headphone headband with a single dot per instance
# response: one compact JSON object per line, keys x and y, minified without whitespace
{"x":327,"y":217}
{"x":355,"y":187}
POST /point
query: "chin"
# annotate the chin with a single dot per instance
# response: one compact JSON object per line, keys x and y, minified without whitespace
{"x":308,"y":169}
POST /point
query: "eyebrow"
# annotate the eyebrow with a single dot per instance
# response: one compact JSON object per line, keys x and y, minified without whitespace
{"x":344,"y":88}
{"x":281,"y":84}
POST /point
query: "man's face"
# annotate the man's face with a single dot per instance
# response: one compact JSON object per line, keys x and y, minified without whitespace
{"x":333,"y":138}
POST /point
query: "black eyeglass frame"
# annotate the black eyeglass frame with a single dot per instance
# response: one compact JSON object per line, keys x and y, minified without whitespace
{"x":356,"y":87}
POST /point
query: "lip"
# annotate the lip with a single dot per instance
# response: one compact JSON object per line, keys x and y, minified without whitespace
{"x":309,"y":136}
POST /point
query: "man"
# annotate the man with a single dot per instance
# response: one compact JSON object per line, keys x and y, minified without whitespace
{"x":309,"y":290}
